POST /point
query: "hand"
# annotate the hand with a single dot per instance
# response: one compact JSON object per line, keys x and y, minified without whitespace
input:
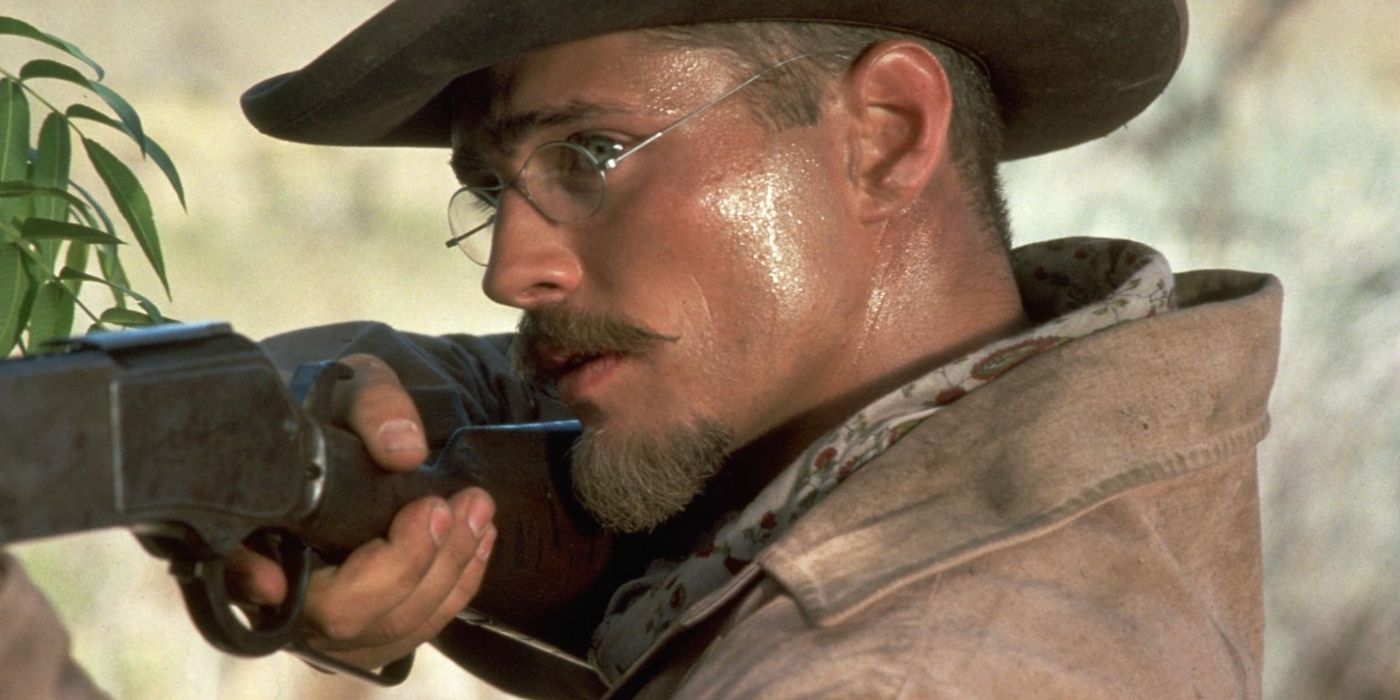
{"x":395,"y":592}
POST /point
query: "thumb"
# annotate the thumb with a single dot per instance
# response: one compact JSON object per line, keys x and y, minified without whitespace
{"x":375,"y":406}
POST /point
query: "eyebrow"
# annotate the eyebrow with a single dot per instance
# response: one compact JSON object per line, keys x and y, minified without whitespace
{"x":498,"y":133}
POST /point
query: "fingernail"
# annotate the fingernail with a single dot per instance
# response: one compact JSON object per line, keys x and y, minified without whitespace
{"x":400,"y":436}
{"x":478,"y":514}
{"x":439,"y":522}
{"x":483,"y":550}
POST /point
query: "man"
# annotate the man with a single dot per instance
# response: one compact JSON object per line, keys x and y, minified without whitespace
{"x":766,"y":265}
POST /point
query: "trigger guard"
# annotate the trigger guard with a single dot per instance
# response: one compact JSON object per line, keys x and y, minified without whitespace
{"x":206,"y":595}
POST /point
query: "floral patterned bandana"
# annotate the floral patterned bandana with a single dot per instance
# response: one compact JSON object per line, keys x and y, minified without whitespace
{"x":1073,"y":286}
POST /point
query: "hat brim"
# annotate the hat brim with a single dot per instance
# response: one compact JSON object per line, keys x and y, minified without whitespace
{"x":1064,"y":71}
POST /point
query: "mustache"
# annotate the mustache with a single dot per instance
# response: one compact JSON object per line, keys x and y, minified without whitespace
{"x":556,"y":329}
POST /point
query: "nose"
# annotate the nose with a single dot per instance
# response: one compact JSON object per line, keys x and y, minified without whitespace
{"x":533,"y":260}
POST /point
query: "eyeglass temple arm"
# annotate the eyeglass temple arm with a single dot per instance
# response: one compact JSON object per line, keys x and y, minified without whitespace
{"x":458,"y":239}
{"x":612,"y":162}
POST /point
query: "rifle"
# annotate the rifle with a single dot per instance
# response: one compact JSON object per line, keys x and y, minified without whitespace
{"x":189,"y":435}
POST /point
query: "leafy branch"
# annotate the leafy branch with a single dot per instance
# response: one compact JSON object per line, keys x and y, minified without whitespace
{"x":50,"y":225}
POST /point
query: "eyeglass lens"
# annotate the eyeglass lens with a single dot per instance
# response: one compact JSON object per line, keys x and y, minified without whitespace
{"x":563,"y":180}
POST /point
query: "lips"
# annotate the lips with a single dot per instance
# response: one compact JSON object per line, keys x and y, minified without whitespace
{"x":575,"y":373}
{"x":574,"y":351}
{"x":555,"y":362}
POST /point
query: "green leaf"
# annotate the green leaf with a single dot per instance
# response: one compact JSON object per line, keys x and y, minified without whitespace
{"x":46,"y":229}
{"x":167,"y":166}
{"x":14,"y":141}
{"x":77,"y":259}
{"x":117,"y":316}
{"x":15,"y":288}
{"x":92,"y":206}
{"x":124,"y":112}
{"x":51,"y":316}
{"x":106,"y":255}
{"x":153,"y":149}
{"x":82,"y":111}
{"x":38,"y":271}
{"x":14,"y":27}
{"x":13,"y":188}
{"x":113,"y":271}
{"x":51,"y":162}
{"x":69,"y":273}
{"x":44,"y":68}
{"x":131,"y":201}
{"x":50,"y":169}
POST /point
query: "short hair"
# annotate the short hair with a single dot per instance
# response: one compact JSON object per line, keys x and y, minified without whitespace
{"x":795,"y":97}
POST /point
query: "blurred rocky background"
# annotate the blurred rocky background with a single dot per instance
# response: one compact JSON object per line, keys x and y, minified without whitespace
{"x":1277,"y":148}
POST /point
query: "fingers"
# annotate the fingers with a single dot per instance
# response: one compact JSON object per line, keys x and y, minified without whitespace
{"x":393,"y":594}
{"x":441,"y":586}
{"x":254,"y":578}
{"x":380,"y":575}
{"x":398,"y":591}
{"x":454,"y":584}
{"x":374,"y":404}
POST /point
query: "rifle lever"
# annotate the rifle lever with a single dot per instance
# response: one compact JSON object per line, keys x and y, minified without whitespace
{"x":206,"y":595}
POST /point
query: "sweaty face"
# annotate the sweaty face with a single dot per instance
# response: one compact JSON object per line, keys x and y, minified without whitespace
{"x":708,"y":301}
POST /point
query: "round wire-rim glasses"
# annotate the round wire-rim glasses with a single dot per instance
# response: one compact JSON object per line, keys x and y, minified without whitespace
{"x":563,"y":180}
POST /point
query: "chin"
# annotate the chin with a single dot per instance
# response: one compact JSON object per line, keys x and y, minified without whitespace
{"x":633,"y":481}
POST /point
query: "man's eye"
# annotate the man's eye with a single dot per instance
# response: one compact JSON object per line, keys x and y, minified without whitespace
{"x":601,"y":147}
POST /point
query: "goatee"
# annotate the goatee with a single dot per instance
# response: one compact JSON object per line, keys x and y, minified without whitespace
{"x":629,"y":482}
{"x":632,"y":483}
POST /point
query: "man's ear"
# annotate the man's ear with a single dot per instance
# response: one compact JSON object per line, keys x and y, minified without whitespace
{"x":902,"y":106}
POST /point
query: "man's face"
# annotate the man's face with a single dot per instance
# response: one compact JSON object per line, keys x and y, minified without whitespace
{"x":716,"y":293}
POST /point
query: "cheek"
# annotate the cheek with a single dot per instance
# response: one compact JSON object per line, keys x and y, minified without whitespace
{"x":771,"y":226}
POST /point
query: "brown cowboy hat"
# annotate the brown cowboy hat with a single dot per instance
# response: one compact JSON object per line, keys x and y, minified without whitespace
{"x":1064,"y":71}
